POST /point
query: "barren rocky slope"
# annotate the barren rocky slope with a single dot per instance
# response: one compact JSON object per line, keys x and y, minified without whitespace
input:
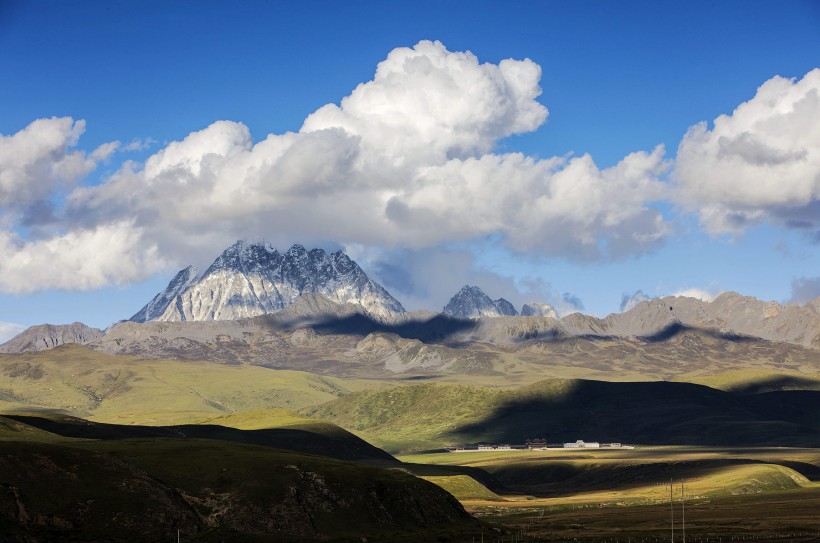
{"x":47,"y":336}
{"x":663,"y":338}
{"x":729,"y":313}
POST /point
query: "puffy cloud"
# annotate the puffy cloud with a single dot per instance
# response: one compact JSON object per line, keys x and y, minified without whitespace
{"x":392,"y":165}
{"x":628,"y":301}
{"x":428,"y":104}
{"x":9,"y":329}
{"x":39,"y":158}
{"x":761,"y":163}
{"x":700,"y":294}
{"x":805,"y":289}
{"x":566,"y":207}
{"x":404,"y":161}
{"x":78,"y":260}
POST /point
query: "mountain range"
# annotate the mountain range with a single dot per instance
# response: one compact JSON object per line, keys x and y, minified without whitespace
{"x":301,"y":290}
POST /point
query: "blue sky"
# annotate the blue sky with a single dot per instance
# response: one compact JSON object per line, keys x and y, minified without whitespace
{"x":616,"y":79}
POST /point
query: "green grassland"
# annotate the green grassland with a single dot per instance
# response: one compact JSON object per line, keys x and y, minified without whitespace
{"x":435,"y":415}
{"x":755,"y":381}
{"x":124,"y":389}
{"x":564,"y":494}
{"x":212,"y":449}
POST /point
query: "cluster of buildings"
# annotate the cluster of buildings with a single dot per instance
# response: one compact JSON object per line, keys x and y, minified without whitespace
{"x":539,"y":445}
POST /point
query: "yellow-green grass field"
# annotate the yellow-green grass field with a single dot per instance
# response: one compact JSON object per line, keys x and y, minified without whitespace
{"x":130,"y":390}
{"x":604,"y":494}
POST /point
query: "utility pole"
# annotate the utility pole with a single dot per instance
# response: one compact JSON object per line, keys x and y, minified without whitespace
{"x":683,"y":508}
{"x":672,"y":510}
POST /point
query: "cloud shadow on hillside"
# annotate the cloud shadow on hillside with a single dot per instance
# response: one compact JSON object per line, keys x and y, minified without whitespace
{"x":438,"y":329}
{"x":651,"y":413}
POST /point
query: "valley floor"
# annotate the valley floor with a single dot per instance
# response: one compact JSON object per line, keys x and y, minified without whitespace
{"x":732,"y":494}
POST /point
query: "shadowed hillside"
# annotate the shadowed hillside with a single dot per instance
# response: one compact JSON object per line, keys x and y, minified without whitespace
{"x":434,"y":415}
{"x":147,"y":489}
{"x":308,"y":437}
{"x":68,"y":479}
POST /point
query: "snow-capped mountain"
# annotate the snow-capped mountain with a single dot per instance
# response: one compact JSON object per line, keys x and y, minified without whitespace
{"x":251,"y":279}
{"x":157,"y":306}
{"x":471,"y":303}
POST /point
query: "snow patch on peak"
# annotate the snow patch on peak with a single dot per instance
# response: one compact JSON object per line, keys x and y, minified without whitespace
{"x":251,"y":279}
{"x":471,"y":303}
{"x":159,"y":303}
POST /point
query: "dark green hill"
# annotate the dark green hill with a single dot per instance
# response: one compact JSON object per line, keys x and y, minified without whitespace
{"x":313,"y":438}
{"x":423,"y":416}
{"x":147,"y":489}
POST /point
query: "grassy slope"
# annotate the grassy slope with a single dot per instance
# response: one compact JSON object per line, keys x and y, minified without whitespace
{"x":755,"y":381}
{"x":636,"y":474}
{"x":593,"y":494}
{"x":126,"y":389}
{"x":426,"y":416}
{"x":292,"y":434}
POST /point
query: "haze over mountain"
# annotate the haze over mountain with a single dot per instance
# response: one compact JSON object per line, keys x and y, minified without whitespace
{"x":251,"y":279}
{"x":538,"y":310}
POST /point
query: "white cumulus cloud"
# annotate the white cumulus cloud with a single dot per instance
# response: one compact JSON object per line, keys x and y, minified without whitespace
{"x":428,"y":104}
{"x":403,"y":160}
{"x":761,"y":163}
{"x":406,"y":160}
{"x":40,"y":159}
{"x":78,"y":260}
{"x":698,"y":293}
{"x":35,"y":160}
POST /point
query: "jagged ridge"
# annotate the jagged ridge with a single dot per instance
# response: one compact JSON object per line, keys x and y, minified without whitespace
{"x":471,"y":302}
{"x":251,"y":279}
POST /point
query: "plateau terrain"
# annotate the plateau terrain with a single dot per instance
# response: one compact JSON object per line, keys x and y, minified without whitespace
{"x":289,"y":397}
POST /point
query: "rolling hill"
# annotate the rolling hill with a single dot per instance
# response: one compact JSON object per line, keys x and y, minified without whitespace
{"x":133,"y":484}
{"x":427,"y":416}
{"x":88,"y":383}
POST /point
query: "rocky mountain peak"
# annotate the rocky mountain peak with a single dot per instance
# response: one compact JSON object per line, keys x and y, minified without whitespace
{"x":47,"y":336}
{"x":505,"y":307}
{"x":250,"y":279}
{"x":471,"y":302}
{"x":342,"y":262}
{"x":153,"y":309}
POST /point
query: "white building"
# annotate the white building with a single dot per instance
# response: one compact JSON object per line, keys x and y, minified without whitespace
{"x":581,"y":444}
{"x":494,"y":447}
